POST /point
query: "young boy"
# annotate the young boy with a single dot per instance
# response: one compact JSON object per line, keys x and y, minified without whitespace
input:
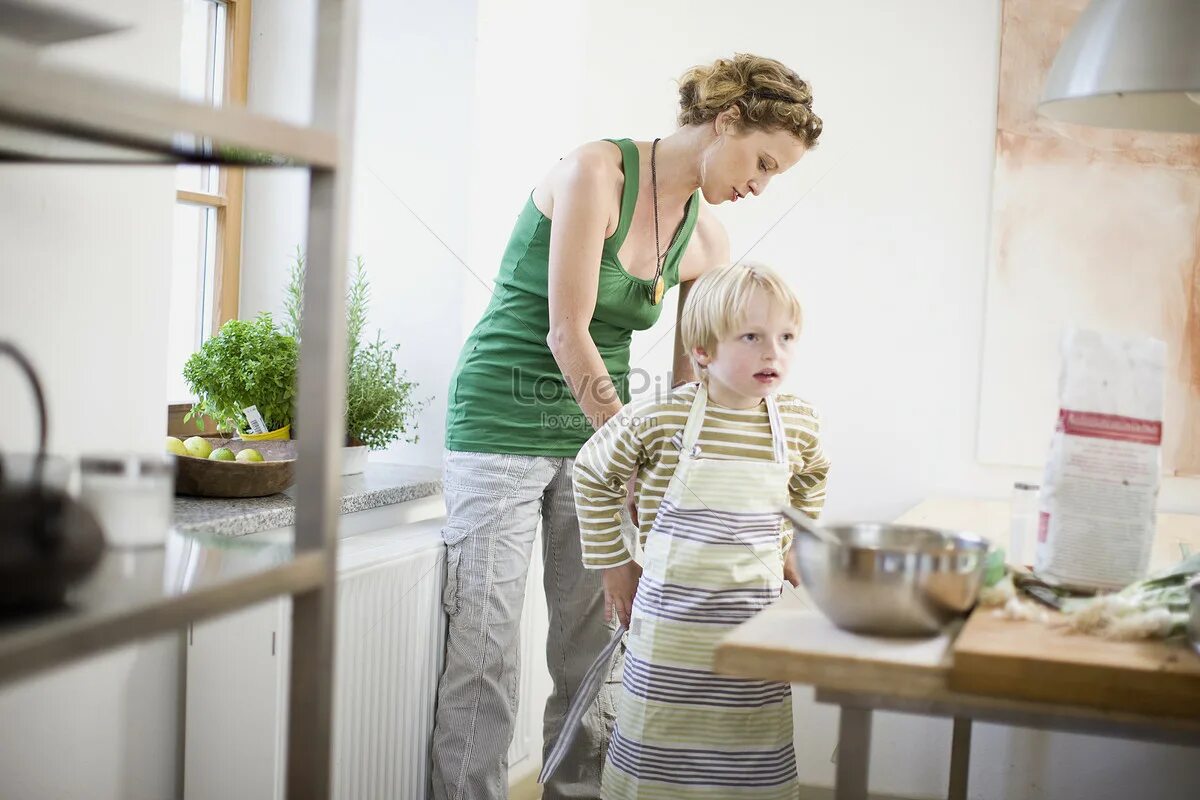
{"x":714,"y":462}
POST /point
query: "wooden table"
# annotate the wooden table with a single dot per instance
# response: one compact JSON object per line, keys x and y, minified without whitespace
{"x":794,"y":643}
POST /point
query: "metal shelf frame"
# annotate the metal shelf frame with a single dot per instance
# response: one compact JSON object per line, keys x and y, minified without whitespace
{"x":140,"y":124}
{"x":38,"y":100}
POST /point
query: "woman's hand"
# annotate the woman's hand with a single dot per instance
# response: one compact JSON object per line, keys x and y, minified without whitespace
{"x":620,"y":586}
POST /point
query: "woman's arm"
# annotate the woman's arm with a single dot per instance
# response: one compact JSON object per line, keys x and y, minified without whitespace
{"x":708,"y":249}
{"x":583,"y":191}
{"x":682,"y":369}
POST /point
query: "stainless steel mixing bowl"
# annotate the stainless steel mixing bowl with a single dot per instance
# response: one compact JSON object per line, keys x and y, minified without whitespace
{"x":892,"y":580}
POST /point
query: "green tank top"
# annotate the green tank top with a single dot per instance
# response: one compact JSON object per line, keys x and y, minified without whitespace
{"x":508,"y":394}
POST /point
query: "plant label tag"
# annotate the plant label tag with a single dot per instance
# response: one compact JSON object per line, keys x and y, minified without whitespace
{"x":254,"y":420}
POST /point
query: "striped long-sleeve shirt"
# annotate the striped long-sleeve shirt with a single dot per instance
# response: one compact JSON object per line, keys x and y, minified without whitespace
{"x":639,"y":441}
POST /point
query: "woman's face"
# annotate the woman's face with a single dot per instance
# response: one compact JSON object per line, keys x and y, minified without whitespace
{"x":740,"y":164}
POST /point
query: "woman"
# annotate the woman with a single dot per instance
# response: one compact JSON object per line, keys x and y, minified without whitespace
{"x":608,"y":231}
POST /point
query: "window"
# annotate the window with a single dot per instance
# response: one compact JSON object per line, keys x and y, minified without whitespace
{"x":214,"y":61}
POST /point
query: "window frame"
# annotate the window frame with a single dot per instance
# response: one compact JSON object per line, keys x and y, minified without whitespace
{"x":228,"y":200}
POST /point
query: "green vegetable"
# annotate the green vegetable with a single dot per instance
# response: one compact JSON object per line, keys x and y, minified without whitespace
{"x":247,"y":363}
{"x":1157,"y":606}
{"x":993,"y":567}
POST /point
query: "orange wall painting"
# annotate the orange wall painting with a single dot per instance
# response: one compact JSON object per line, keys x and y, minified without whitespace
{"x":1090,"y":227}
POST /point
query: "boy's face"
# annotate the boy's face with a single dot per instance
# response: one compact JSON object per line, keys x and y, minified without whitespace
{"x":752,"y":362}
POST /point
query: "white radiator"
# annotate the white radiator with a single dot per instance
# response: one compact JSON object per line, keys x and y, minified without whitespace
{"x":525,"y":753}
{"x":390,"y":638}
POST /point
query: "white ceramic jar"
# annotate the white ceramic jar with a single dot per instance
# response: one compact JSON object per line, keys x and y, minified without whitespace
{"x":132,"y":496}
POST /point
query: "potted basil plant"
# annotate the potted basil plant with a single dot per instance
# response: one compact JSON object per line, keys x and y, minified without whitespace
{"x":247,"y":363}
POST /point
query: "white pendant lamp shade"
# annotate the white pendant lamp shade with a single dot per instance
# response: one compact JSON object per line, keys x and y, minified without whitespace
{"x":1129,"y":64}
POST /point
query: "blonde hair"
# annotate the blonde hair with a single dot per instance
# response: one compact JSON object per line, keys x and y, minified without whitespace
{"x":767,"y":94}
{"x":716,"y":304}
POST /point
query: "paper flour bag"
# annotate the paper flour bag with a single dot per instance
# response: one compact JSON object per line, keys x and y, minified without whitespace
{"x":1097,"y":502}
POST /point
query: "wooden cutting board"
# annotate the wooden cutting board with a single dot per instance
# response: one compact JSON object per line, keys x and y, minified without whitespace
{"x":1034,"y":661}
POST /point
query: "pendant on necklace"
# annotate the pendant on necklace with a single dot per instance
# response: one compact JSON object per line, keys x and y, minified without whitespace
{"x":657,"y":292}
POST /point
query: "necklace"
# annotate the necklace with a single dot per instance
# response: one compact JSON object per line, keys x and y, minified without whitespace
{"x":657,"y":287}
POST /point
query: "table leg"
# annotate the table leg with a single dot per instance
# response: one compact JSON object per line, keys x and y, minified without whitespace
{"x":854,"y":754}
{"x":960,"y":758}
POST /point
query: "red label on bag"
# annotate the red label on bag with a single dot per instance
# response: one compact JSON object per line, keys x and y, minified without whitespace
{"x":1110,"y":426}
{"x":1043,"y":526}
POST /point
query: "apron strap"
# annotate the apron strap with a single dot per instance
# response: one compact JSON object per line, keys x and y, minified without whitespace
{"x":691,"y":432}
{"x":589,"y":688}
{"x":695,"y":422}
{"x":778,"y":434}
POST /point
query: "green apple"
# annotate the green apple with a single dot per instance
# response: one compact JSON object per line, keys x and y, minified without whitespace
{"x":249,"y":455}
{"x":198,"y":446}
{"x":221,"y":454}
{"x":175,"y":447}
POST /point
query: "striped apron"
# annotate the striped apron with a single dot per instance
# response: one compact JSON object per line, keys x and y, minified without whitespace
{"x":712,"y":560}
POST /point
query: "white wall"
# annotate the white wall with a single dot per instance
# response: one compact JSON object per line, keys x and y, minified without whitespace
{"x":413,"y":150}
{"x":886,"y":245}
{"x":531,"y":107}
{"x":83,"y":272}
{"x":413,"y":155}
{"x":275,"y":208}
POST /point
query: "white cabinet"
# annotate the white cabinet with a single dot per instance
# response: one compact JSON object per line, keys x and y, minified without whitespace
{"x":237,"y":670}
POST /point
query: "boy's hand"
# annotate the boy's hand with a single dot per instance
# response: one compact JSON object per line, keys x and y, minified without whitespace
{"x":620,"y":586}
{"x":790,"y":573}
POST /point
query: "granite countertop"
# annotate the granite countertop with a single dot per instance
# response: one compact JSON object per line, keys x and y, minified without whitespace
{"x":380,"y":485}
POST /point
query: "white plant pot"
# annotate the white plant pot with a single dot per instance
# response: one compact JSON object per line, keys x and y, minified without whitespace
{"x":354,"y":460}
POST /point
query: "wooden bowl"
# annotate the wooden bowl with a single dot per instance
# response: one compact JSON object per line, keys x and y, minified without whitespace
{"x":202,"y":477}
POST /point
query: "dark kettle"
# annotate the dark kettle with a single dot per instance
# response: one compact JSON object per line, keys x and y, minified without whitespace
{"x":48,"y":541}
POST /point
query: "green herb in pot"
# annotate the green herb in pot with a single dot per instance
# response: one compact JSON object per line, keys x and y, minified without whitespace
{"x":247,"y":363}
{"x":380,"y":403}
